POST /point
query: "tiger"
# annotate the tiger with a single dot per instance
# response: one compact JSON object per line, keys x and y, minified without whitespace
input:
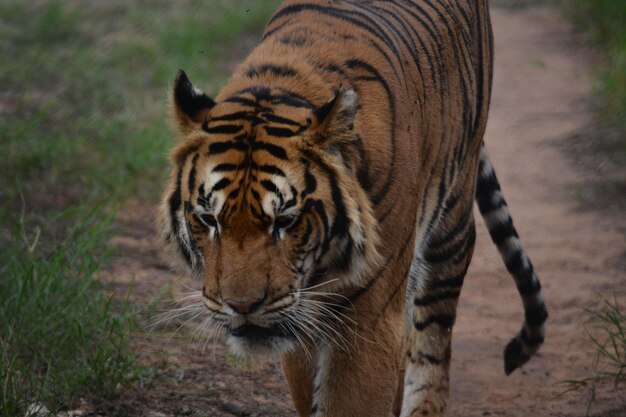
{"x":325,"y":200}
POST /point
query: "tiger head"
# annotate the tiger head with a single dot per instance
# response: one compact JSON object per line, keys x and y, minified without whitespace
{"x":264,"y":206}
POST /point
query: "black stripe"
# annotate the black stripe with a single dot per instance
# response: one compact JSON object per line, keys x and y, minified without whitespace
{"x":279,"y":119}
{"x":233,"y":194}
{"x":293,"y":39}
{"x":222,"y":129}
{"x":279,"y":131}
{"x":292,"y":100}
{"x":454,"y":281}
{"x":221,"y":147}
{"x":479,"y":70}
{"x":500,"y":232}
{"x":226,"y":167}
{"x":436,"y":256}
{"x":434,"y":298}
{"x":310,"y":183}
{"x":276,"y":29}
{"x":458,"y":228}
{"x":202,"y":201}
{"x":515,"y":265}
{"x":272,"y":170}
{"x":275,"y":70}
{"x":175,"y":202}
{"x":536,"y":316}
{"x":469,"y":246}
{"x":284,"y":96}
{"x":486,"y":187}
{"x":242,"y":100}
{"x":274,"y":150}
{"x":221,"y":184}
{"x":231,"y":116}
{"x":340,"y":222}
{"x":317,"y":206}
{"x":443,"y":320}
{"x":307,"y":232}
{"x":255,"y":194}
{"x":191,"y":183}
{"x":270,"y":186}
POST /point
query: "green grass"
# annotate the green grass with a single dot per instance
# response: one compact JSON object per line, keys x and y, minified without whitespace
{"x":84,"y":123}
{"x":609,"y":338}
{"x":61,"y":336}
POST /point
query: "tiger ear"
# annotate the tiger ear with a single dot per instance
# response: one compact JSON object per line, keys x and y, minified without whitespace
{"x":335,"y":118}
{"x":190,"y":104}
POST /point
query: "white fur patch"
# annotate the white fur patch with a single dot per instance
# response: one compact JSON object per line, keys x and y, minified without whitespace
{"x":321,"y":378}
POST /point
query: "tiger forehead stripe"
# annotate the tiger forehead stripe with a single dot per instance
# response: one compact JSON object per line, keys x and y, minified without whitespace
{"x":272,"y":95}
{"x":223,"y":129}
{"x":269,"y":69}
{"x":274,"y":150}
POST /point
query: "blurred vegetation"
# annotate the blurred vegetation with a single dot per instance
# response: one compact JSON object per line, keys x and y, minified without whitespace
{"x":605,"y":145}
{"x":85,"y":87}
{"x":83,"y":126}
{"x":601,"y":147}
{"x":605,"y":22}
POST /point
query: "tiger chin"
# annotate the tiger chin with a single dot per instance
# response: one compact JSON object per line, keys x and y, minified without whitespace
{"x":324,"y":200}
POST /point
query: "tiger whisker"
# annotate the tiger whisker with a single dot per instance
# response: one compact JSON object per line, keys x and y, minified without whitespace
{"x":169,"y":340}
{"x":322,"y":327}
{"x":291,"y":322}
{"x":318,"y":285}
{"x":327,"y":310}
{"x":197,"y":333}
{"x":168,"y":316}
{"x":215,"y":328}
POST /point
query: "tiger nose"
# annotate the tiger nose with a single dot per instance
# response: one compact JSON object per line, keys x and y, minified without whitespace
{"x":245,"y":307}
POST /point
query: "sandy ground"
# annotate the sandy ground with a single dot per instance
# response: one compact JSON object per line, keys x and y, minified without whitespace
{"x":540,"y":99}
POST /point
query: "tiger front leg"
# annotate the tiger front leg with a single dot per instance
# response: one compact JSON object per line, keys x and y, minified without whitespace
{"x":354,"y":378}
{"x":299,"y":367}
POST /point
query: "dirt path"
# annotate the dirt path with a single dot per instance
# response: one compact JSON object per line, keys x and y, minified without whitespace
{"x":540,"y":98}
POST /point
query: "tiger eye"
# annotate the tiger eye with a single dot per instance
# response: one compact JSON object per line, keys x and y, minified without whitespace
{"x":282,"y":222}
{"x":206,"y":219}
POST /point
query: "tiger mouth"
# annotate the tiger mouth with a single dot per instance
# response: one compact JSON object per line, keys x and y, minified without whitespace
{"x":252,"y":331}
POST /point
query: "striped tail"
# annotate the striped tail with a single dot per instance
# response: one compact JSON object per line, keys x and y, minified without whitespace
{"x":496,"y":214}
